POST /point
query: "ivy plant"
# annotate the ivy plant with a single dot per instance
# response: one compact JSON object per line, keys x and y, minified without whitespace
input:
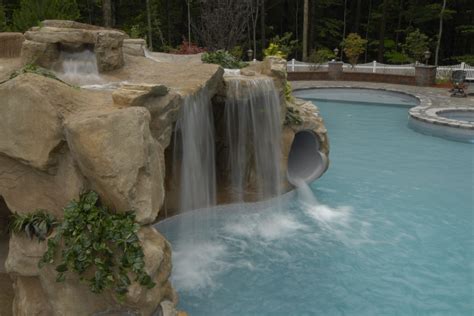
{"x":293,"y":116}
{"x":38,"y":224}
{"x":102,"y":247}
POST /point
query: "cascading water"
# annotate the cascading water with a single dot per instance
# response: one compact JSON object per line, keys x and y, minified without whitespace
{"x":252,"y":118}
{"x":194,"y":153}
{"x":79,"y":67}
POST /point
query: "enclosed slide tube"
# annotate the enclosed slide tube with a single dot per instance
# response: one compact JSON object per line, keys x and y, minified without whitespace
{"x":305,"y":161}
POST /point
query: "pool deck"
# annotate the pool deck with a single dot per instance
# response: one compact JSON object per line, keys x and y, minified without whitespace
{"x":432,"y":100}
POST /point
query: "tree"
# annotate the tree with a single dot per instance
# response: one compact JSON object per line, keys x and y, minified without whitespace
{"x":354,"y":46}
{"x":150,"y":32}
{"x":254,"y":6}
{"x":3,"y":19}
{"x":107,"y":12}
{"x":222,"y":23}
{"x":305,"y":29}
{"x":32,"y":12}
{"x":438,"y":43}
{"x":383,"y":22}
{"x":416,"y":44}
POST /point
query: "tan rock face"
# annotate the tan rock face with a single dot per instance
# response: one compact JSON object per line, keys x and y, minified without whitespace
{"x":29,"y":126}
{"x":30,"y":298}
{"x":24,"y":255}
{"x":134,"y":46}
{"x":120,"y":158}
{"x":44,"y":43}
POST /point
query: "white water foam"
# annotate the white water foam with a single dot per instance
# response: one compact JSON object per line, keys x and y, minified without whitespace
{"x":195,"y":265}
{"x":79,"y":68}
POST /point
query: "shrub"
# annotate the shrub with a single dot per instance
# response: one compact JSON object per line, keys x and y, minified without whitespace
{"x":188,"y":48}
{"x":320,"y":56}
{"x":274,"y":50}
{"x":292,"y":116}
{"x":395,"y":57}
{"x":237,"y":52}
{"x":100,"y":246}
{"x":353,"y":46}
{"x":39,"y":224}
{"x":285,"y":44}
{"x":223,"y":58}
{"x":3,"y":19}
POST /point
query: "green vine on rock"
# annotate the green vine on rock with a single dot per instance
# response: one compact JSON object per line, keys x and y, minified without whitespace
{"x":292,"y":116}
{"x":102,"y":247}
{"x":34,"y":69}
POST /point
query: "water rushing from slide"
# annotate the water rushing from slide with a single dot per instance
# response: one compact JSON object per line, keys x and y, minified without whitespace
{"x":79,"y":68}
{"x":194,"y":153}
{"x":252,"y":118}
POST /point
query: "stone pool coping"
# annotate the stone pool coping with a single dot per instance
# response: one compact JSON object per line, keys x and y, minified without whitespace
{"x":431,"y":100}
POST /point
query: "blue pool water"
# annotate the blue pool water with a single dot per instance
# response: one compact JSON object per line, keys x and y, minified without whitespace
{"x":392,"y":232}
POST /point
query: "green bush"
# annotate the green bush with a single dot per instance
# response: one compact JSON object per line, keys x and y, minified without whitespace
{"x":39,"y":224}
{"x":102,"y":247}
{"x":394,"y":57}
{"x":3,"y":19}
{"x":223,"y":58}
{"x":293,"y":116}
{"x":281,"y":46}
{"x":320,"y":56}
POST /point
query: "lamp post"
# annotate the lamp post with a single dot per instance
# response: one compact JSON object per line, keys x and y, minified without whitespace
{"x":427,"y":54}
{"x":250,"y":54}
{"x":336,"y":53}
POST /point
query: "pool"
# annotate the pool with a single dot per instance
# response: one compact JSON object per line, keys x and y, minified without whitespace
{"x":391,"y":232}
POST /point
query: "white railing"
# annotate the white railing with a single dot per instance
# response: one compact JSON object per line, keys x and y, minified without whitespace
{"x":442,"y":72}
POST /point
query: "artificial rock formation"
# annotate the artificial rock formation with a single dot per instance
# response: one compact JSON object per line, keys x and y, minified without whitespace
{"x":57,"y":140}
{"x":44,"y":44}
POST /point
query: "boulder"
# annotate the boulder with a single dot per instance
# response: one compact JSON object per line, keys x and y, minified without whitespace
{"x":26,"y":189}
{"x":158,"y":265}
{"x":30,"y":128}
{"x":137,"y":94}
{"x":134,"y":46}
{"x":108,"y":50}
{"x":41,"y":54}
{"x":44,"y":43}
{"x":117,"y":154}
{"x":30,"y":298}
{"x":24,"y":255}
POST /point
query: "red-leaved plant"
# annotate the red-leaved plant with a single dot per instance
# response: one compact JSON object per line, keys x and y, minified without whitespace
{"x":188,"y":48}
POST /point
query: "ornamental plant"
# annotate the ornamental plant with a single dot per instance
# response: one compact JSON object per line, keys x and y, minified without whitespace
{"x":38,"y":224}
{"x":223,"y":58}
{"x":102,"y":247}
{"x":354,"y":46}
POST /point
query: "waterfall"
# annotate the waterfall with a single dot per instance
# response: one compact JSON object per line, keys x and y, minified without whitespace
{"x":194,"y":153}
{"x":253,"y":132}
{"x":79,"y":67}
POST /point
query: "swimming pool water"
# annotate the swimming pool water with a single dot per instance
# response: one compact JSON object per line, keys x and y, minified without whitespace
{"x":392,"y":233}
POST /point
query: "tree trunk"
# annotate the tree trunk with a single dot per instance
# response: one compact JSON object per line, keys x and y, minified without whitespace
{"x":312,"y":26}
{"x":344,"y":29}
{"x":357,"y":17}
{"x":367,"y":30}
{"x":383,"y":23}
{"x":438,"y":44}
{"x":148,"y":13}
{"x":262,"y":23}
{"x":188,"y":2}
{"x":107,"y":12}
{"x":305,"y":29}
{"x":399,"y":24}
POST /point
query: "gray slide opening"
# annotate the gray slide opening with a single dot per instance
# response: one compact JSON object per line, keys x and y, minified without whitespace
{"x":305,"y":161}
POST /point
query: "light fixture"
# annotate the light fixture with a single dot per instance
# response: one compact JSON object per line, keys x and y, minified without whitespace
{"x":427,"y":54}
{"x":250,"y":54}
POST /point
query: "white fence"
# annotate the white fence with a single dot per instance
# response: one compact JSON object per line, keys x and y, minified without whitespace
{"x":442,"y":72}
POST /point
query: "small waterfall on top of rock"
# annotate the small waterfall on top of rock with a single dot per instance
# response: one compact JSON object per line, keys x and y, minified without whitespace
{"x":194,"y":153}
{"x":253,"y":131}
{"x":79,"y":67}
